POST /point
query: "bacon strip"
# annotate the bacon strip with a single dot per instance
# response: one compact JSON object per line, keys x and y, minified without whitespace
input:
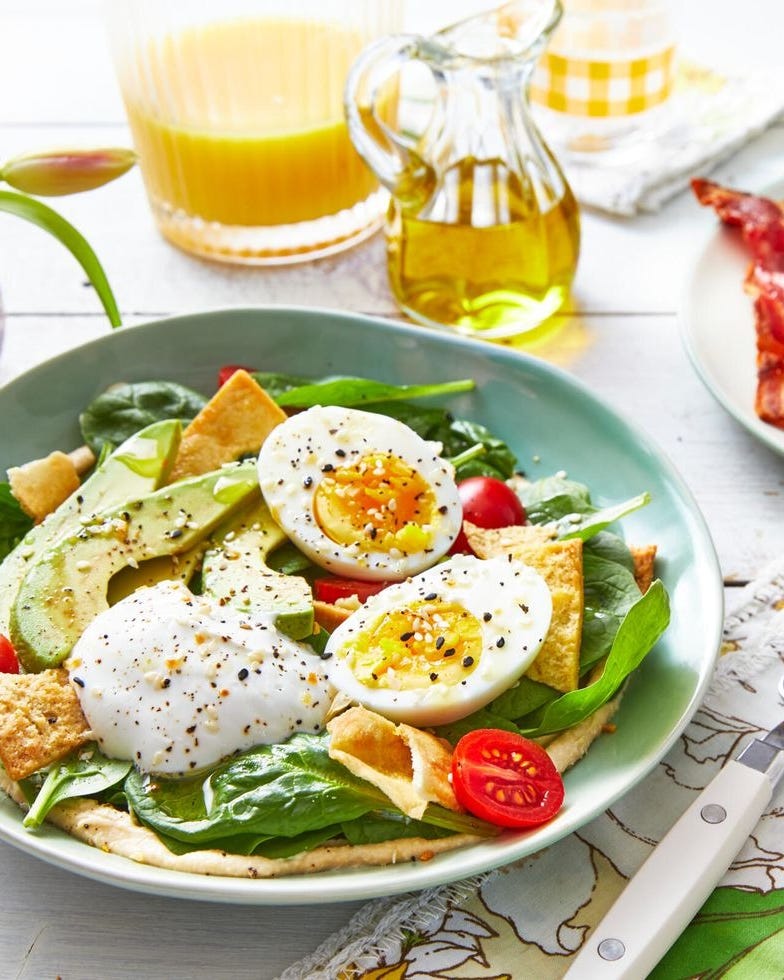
{"x":761,"y":223}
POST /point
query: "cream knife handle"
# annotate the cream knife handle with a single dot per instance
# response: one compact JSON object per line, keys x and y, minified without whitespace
{"x":662,"y":898}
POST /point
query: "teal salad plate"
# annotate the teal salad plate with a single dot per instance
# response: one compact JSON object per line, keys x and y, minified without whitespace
{"x":549,"y":419}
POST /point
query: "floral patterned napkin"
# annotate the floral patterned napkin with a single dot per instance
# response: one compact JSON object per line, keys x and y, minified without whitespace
{"x":528,"y":919}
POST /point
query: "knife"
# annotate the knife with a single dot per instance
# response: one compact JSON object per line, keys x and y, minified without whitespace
{"x":683,"y":869}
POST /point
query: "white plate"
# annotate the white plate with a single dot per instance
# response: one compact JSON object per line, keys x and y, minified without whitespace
{"x":717,"y":325}
{"x":549,"y":419}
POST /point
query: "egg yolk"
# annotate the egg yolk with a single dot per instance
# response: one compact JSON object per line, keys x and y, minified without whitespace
{"x":417,"y":646}
{"x":379,"y":501}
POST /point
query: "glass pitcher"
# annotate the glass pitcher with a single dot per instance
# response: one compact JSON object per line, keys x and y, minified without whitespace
{"x":483,"y":230}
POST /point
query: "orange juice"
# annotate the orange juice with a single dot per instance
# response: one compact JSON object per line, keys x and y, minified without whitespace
{"x":241,"y":122}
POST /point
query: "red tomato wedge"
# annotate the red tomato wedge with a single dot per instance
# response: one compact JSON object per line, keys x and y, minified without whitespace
{"x":227,"y":370}
{"x":9,"y":662}
{"x":487,"y":502}
{"x":333,"y":587}
{"x":505,"y":779}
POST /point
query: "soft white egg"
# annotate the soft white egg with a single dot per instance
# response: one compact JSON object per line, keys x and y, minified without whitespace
{"x":176,"y":682}
{"x":361,"y":495}
{"x":437,"y":647}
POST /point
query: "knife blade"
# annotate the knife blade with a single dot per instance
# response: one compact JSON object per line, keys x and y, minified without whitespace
{"x":663,"y":896}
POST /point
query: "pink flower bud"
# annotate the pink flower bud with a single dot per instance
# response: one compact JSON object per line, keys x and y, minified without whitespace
{"x":57,"y":172}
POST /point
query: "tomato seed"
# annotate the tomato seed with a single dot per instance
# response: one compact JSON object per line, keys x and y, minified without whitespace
{"x":530,"y":793}
{"x":500,"y":795}
{"x":518,"y":797}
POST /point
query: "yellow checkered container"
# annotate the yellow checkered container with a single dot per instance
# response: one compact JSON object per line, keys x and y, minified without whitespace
{"x":600,"y":88}
{"x":608,"y":59}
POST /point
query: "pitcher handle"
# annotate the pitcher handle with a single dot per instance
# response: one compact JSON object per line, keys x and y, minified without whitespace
{"x":390,"y":155}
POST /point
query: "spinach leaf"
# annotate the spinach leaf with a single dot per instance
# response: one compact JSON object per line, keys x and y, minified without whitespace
{"x":374,"y":828}
{"x":433,"y":424}
{"x":125,"y":409}
{"x":86,"y":772}
{"x":611,"y":546}
{"x":567,"y":504}
{"x":504,"y":712}
{"x":14,"y":523}
{"x":610,"y":591}
{"x":246,"y":844}
{"x":359,"y":392}
{"x":641,"y":627}
{"x":275,"y":790}
{"x":455,"y":435}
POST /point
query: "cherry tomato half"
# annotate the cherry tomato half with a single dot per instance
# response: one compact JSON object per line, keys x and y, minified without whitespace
{"x":487,"y":502}
{"x":505,"y":779}
{"x":227,"y":370}
{"x":333,"y":587}
{"x":9,"y":662}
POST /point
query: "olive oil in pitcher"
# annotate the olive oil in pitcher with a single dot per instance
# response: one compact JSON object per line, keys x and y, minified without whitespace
{"x":482,"y":256}
{"x":483,"y":232}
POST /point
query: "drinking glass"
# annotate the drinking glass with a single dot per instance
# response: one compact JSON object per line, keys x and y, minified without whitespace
{"x":236,"y":113}
{"x":603,"y":83}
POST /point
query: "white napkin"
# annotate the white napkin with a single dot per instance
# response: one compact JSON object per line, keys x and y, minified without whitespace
{"x":707,"y":119}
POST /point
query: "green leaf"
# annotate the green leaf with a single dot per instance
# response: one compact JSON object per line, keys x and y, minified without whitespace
{"x":117,"y":414}
{"x":736,"y":933}
{"x":275,"y":790}
{"x":374,"y":828}
{"x":642,"y":626}
{"x":86,"y":772}
{"x":14,"y":523}
{"x":45,"y":217}
{"x":567,"y":504}
{"x":483,"y":718}
{"x":456,"y":436}
{"x":610,"y":591}
{"x":358,"y":392}
{"x":434,"y":424}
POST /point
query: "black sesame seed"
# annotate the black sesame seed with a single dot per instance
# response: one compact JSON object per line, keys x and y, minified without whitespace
{"x":440,"y":642}
{"x":434,"y":676}
{"x":500,"y":641}
{"x":468,"y":661}
{"x":79,"y":681}
{"x":242,"y":674}
{"x":340,"y":452}
{"x":431,"y":596}
{"x":487,"y":617}
{"x":307,"y":482}
{"x":327,"y":468}
{"x":405,"y":637}
{"x":166,"y":682}
{"x":450,"y":652}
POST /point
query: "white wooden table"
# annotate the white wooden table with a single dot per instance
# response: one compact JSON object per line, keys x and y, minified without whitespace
{"x":621,"y":337}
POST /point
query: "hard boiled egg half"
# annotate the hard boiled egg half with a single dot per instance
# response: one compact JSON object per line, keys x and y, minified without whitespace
{"x":362,"y":495}
{"x":433,"y":649}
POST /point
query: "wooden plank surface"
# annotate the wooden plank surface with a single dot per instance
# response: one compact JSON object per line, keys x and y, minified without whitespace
{"x":620,"y":336}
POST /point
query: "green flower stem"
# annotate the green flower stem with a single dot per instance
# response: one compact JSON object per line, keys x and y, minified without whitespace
{"x":42,"y":215}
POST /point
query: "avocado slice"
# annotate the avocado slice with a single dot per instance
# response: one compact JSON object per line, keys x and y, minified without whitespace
{"x":235,"y":572}
{"x":164,"y":568}
{"x":66,"y":587}
{"x":138,"y":466}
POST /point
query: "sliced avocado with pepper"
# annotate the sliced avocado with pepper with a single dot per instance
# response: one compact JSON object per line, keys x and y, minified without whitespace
{"x":235,"y":573}
{"x":137,"y":467}
{"x":66,"y":587}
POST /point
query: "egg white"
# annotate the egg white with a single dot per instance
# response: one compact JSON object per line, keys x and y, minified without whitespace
{"x":177,"y":682}
{"x":298,"y":455}
{"x":513,"y":606}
